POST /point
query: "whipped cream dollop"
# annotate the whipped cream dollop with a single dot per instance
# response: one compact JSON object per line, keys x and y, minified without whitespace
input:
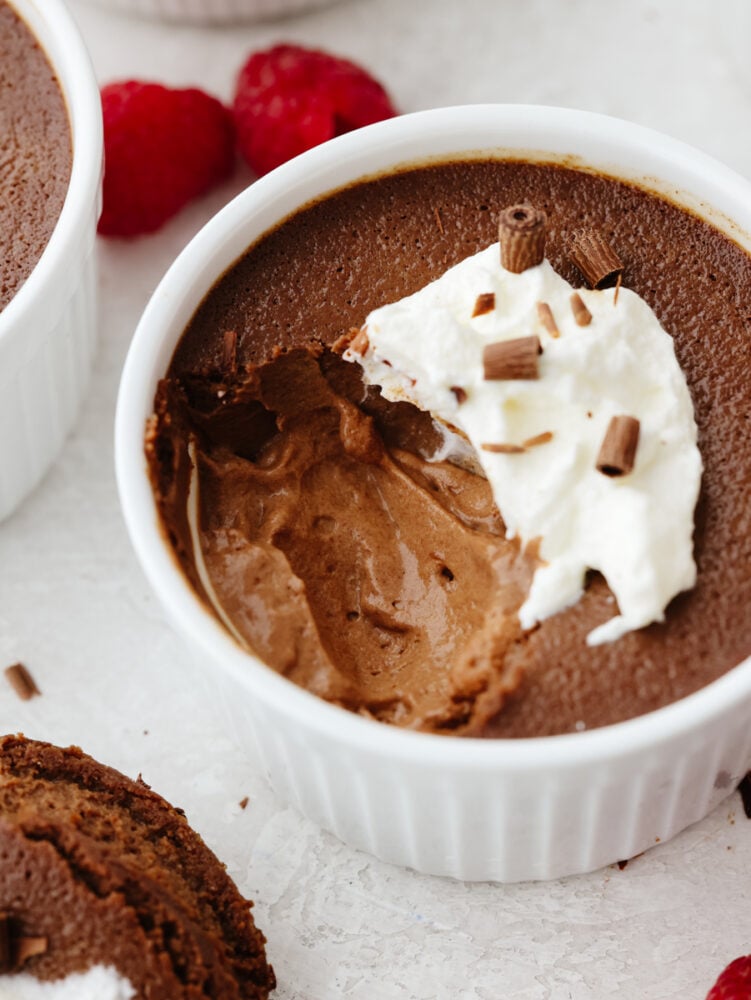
{"x":636,"y":529}
{"x":98,"y":983}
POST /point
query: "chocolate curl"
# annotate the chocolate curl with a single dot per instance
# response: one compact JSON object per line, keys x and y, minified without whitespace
{"x":6,"y":956}
{"x":582,"y":315}
{"x":360,"y":343}
{"x":521,"y":232}
{"x":595,"y":257}
{"x":485,"y":303}
{"x":503,"y":449}
{"x":29,"y":947}
{"x":745,"y":789}
{"x":538,"y":439}
{"x":546,"y":317}
{"x":229,"y":351}
{"x":21,"y":681}
{"x":512,"y":359}
{"x":618,"y":448}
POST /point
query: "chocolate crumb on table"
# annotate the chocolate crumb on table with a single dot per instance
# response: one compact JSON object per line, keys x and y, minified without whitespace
{"x":21,"y":681}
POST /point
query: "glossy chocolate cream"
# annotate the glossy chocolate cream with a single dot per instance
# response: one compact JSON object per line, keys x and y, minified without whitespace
{"x":35,"y":152}
{"x":384,"y":582}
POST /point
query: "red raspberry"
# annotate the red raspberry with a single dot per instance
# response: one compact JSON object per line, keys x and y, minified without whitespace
{"x":162,"y":147}
{"x":734,"y":983}
{"x":289,"y":99}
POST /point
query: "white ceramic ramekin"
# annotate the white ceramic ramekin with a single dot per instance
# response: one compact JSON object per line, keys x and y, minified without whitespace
{"x":48,"y":330}
{"x":213,"y":11}
{"x":506,"y":809}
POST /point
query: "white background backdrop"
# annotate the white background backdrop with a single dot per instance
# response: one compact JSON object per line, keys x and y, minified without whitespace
{"x":76,"y":609}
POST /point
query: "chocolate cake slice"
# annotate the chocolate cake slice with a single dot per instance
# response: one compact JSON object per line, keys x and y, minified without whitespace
{"x":96,"y":870}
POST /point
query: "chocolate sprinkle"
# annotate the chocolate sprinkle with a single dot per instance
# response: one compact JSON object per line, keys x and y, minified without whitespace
{"x":582,"y":315}
{"x":546,"y":317}
{"x":485,"y":303}
{"x":229,"y":351}
{"x":503,"y":449}
{"x":512,"y":359}
{"x":6,"y":958}
{"x":745,"y":789}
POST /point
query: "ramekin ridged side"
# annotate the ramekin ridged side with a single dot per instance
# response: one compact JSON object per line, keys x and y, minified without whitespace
{"x":507,"y":810}
{"x":472,"y":821}
{"x":213,"y":11}
{"x":48,"y":329}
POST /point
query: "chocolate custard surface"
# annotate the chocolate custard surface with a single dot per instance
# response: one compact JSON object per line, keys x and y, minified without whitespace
{"x":35,"y":152}
{"x":381,"y":581}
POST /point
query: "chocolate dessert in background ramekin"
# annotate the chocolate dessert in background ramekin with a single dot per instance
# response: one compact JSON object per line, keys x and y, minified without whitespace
{"x":50,"y":185}
{"x":35,"y":148}
{"x":105,"y":889}
{"x":253,"y":542}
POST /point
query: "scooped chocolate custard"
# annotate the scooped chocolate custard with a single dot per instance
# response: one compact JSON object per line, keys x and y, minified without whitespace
{"x":35,"y":152}
{"x":304,"y":509}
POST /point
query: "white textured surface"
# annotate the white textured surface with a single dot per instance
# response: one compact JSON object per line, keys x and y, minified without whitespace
{"x":75,"y":608}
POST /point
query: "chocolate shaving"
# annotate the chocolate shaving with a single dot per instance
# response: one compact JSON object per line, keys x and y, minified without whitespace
{"x":360,"y":342}
{"x":595,"y":258}
{"x":521,"y":232}
{"x":21,"y":681}
{"x":745,"y":789}
{"x":503,"y":449}
{"x":618,"y":448}
{"x":617,"y":289}
{"x":6,"y":957}
{"x":538,"y":439}
{"x":461,"y":394}
{"x":582,"y":315}
{"x":244,"y":802}
{"x":485,"y":304}
{"x":29,"y":947}
{"x":438,"y":222}
{"x":229,"y":351}
{"x":512,"y":359}
{"x":546,"y":317}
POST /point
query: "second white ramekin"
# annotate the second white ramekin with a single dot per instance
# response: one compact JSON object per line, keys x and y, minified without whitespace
{"x":505,"y":810}
{"x":48,"y":329}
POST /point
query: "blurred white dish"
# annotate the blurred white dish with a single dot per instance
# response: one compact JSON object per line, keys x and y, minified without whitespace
{"x":212,"y":11}
{"x":48,"y":329}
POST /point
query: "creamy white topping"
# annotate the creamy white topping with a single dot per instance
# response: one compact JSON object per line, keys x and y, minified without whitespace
{"x":99,"y":983}
{"x":637,"y":530}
